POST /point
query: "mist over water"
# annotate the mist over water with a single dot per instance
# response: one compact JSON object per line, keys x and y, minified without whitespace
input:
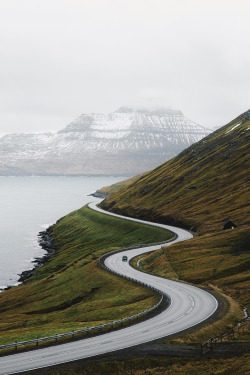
{"x":29,"y":205}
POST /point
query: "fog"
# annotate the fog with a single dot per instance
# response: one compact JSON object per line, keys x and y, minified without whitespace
{"x":62,"y":58}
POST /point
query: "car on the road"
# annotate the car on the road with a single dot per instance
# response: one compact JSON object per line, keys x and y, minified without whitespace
{"x":124,"y":258}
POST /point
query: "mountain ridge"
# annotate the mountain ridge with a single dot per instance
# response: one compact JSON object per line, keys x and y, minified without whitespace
{"x":125,"y":142}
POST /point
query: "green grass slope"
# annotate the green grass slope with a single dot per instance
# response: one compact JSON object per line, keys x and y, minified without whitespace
{"x":70,"y":291}
{"x":199,"y":189}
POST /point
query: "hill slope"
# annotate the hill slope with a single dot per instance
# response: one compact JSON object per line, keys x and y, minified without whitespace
{"x":125,"y":142}
{"x":200,"y":188}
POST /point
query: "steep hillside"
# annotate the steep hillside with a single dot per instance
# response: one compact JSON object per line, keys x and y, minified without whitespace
{"x":200,"y":188}
{"x":125,"y":142}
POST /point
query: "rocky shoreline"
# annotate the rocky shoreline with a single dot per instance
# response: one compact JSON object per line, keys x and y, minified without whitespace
{"x":46,"y":241}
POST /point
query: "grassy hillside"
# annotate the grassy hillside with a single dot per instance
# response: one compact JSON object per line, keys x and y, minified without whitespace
{"x":70,"y":291}
{"x":199,"y":189}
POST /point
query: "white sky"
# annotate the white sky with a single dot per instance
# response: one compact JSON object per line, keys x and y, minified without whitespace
{"x":62,"y":58}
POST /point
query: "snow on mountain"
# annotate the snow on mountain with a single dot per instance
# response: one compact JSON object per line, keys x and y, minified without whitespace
{"x":128,"y":141}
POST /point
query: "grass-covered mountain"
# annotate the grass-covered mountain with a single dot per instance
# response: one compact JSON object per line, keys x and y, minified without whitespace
{"x":199,"y":189}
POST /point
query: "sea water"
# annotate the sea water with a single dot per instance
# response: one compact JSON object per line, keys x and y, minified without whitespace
{"x":29,"y":205}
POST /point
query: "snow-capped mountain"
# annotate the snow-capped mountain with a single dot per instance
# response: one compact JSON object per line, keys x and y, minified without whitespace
{"x":125,"y":142}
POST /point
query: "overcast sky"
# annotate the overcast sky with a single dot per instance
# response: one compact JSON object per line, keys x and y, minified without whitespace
{"x":62,"y":58}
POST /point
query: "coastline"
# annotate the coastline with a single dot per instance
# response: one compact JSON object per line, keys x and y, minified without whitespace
{"x":37,"y":200}
{"x":46,"y":241}
{"x":99,"y":194}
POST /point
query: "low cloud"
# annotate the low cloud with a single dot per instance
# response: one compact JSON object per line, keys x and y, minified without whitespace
{"x":61,"y":59}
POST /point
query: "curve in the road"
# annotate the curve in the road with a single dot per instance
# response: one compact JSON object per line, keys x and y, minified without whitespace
{"x":189,"y":306}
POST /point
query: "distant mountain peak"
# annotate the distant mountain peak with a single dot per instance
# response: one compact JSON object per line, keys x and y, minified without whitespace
{"x":125,"y":142}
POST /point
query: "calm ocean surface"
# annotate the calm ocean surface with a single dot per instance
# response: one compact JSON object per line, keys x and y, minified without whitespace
{"x":29,"y":205}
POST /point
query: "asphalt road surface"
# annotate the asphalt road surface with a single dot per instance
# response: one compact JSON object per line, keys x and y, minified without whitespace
{"x":189,"y":306}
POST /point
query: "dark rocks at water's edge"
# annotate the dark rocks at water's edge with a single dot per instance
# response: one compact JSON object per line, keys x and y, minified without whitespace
{"x":99,"y":194}
{"x":46,"y":241}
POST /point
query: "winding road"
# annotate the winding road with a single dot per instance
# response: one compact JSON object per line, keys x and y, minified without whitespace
{"x":189,"y":306}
